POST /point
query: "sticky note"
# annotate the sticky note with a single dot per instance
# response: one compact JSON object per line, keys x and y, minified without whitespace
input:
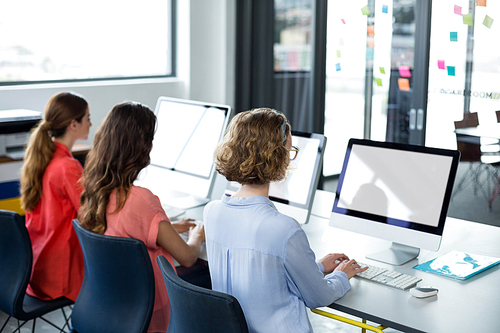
{"x":382,"y":70}
{"x":451,"y":70}
{"x":371,"y":30}
{"x":369,"y":53}
{"x":457,"y":10}
{"x":453,"y":36}
{"x":404,"y":84}
{"x":481,"y":3}
{"x":338,"y":54}
{"x":337,"y":66}
{"x":385,"y":9}
{"x":467,"y":19}
{"x":343,"y":21}
{"x":365,"y":10}
{"x":404,"y":71}
{"x":378,"y":81}
{"x":488,"y":21}
{"x":441,"y":64}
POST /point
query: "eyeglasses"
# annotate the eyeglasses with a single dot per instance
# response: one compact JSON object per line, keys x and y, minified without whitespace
{"x":293,"y":152}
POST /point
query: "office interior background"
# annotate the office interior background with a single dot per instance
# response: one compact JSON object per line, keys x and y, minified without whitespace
{"x":400,"y":70}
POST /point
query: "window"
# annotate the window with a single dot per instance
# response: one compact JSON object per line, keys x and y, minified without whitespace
{"x":60,"y":40}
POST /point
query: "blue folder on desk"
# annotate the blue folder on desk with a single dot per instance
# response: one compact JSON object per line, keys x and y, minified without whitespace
{"x":458,"y":265}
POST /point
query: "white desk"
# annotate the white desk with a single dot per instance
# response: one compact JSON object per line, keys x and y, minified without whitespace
{"x":470,"y":305}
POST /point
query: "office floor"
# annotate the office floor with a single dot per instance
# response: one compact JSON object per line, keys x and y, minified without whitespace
{"x":464,"y":205}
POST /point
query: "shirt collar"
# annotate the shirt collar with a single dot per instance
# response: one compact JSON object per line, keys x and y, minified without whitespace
{"x":245,"y":202}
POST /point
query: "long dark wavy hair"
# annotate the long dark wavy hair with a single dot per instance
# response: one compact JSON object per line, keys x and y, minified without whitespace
{"x":60,"y":110}
{"x":121,"y":150}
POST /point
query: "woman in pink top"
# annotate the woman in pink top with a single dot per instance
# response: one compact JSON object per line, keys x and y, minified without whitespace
{"x":50,"y":194}
{"x":112,"y":205}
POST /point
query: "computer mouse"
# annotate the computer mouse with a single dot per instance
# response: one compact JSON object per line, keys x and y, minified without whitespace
{"x":422,"y":292}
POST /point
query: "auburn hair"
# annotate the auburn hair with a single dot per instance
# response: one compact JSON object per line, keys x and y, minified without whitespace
{"x":60,"y":110}
{"x":121,"y":150}
{"x":253,"y":149}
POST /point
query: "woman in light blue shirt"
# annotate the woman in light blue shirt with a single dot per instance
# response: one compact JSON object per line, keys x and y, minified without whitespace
{"x":255,"y":253}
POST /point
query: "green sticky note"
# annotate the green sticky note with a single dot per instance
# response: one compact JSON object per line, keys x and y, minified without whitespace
{"x":467,"y":19}
{"x":382,"y":70}
{"x":338,"y":53}
{"x":365,"y":10}
{"x":488,"y":21}
{"x":378,"y":81}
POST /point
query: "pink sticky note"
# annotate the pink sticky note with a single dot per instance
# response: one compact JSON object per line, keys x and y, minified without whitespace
{"x":441,"y":64}
{"x":458,"y":10}
{"x":343,"y":21}
{"x":404,"y":71}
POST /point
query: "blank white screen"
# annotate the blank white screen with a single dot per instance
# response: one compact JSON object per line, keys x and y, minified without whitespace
{"x":404,"y":185}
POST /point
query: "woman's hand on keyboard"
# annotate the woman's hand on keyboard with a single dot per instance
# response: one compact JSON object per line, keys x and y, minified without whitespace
{"x":332,"y":260}
{"x":183,"y":225}
{"x":350,"y":267}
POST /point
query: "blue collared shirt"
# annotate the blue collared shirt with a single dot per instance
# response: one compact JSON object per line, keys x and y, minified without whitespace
{"x":263,"y":258}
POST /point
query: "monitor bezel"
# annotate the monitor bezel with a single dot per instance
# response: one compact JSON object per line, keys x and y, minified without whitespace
{"x":438,"y":230}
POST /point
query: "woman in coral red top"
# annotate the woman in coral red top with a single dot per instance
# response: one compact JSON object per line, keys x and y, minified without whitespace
{"x":112,"y":205}
{"x":50,"y":194}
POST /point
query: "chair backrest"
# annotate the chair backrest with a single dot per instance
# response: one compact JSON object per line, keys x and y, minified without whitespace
{"x":118,"y":288}
{"x":469,"y":147}
{"x":196,"y":309}
{"x":15,"y":262}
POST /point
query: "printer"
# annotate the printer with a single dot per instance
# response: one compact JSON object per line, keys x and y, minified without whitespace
{"x":15,"y":127}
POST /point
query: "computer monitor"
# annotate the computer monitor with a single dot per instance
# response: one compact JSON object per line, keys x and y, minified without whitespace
{"x":182,"y":171}
{"x":397,"y":192}
{"x":294,"y":195}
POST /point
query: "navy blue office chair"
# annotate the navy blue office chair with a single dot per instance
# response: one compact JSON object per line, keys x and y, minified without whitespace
{"x":16,"y":260}
{"x":197,"y":309}
{"x":118,"y":289}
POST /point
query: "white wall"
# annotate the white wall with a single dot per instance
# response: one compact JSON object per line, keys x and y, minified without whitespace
{"x":205,"y":62}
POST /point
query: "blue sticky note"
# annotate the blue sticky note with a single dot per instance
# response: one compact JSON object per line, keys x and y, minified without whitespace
{"x":453,"y":36}
{"x":337,"y":66}
{"x":369,"y":53}
{"x":385,"y":9}
{"x":451,"y":70}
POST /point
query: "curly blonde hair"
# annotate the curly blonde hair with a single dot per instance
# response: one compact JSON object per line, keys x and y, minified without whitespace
{"x":253,"y":149}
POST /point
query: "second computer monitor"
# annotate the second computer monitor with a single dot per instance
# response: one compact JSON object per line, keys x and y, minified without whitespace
{"x":182,"y":170}
{"x":294,"y":195}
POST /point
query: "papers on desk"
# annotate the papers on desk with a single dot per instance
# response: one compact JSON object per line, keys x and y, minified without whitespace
{"x":458,"y":265}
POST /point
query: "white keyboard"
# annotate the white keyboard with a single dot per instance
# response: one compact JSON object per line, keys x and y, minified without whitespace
{"x":387,"y":277}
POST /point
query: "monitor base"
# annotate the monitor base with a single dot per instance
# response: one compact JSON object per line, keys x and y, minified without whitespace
{"x":397,"y":254}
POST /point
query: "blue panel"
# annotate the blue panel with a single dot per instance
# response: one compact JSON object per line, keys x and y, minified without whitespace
{"x":9,"y":190}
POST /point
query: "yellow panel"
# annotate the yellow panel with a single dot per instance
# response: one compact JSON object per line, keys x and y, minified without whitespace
{"x":12,"y":204}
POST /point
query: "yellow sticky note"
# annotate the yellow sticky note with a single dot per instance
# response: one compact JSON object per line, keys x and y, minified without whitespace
{"x":338,"y":53}
{"x":382,"y":70}
{"x":378,"y":81}
{"x":404,"y":84}
{"x":467,"y":19}
{"x":365,"y":10}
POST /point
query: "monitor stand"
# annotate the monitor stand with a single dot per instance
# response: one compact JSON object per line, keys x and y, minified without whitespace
{"x":397,"y":254}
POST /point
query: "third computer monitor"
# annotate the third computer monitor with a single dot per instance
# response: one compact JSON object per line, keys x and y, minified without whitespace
{"x":397,"y":192}
{"x":182,"y":170}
